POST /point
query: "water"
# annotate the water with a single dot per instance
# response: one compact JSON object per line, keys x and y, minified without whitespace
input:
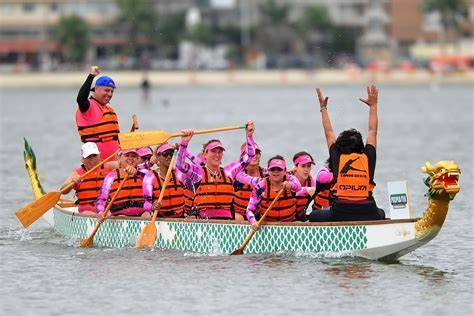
{"x":41,"y":273}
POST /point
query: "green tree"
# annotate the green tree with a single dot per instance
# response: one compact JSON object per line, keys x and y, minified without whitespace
{"x":273,"y":13}
{"x":315,"y":18}
{"x":275,"y":33}
{"x":72,"y":34}
{"x":139,"y":20}
{"x":452,"y":13}
{"x":200,"y":34}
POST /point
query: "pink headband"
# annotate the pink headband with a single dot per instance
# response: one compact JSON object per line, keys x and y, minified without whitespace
{"x":303,"y":159}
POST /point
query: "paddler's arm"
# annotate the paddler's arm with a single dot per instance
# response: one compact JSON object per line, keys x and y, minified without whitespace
{"x":323,"y":106}
{"x":236,"y":167}
{"x":104,"y":191}
{"x":323,"y":175}
{"x":83,"y":95}
{"x":255,"y":199}
{"x":73,"y":177}
{"x":372,"y":102}
{"x":294,"y":182}
{"x":147,"y":187}
{"x":192,"y":173}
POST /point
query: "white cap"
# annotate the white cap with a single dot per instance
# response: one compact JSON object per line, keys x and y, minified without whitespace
{"x":88,"y":149}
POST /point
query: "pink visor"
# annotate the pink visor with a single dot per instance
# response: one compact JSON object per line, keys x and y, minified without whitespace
{"x":144,"y":151}
{"x":213,"y":145}
{"x":163,"y":147}
{"x":127,"y":151}
{"x":303,"y":159}
{"x":277,"y":163}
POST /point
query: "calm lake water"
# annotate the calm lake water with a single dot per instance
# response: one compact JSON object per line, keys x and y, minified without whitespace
{"x":41,"y":273}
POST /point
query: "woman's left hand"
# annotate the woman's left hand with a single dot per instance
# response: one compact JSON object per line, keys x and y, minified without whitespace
{"x":250,"y":128}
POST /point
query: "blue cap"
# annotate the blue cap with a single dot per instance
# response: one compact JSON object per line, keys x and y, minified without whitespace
{"x":105,"y":81}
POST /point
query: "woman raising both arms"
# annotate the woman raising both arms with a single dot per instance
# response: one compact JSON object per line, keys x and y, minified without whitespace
{"x":353,"y":166}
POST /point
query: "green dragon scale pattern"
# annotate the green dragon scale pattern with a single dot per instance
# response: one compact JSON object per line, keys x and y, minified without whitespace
{"x":216,"y":238}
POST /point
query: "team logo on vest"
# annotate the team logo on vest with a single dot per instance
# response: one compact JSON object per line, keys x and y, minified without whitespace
{"x":349,"y":167}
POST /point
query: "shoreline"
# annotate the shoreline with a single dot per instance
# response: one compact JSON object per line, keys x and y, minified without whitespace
{"x":236,"y":78}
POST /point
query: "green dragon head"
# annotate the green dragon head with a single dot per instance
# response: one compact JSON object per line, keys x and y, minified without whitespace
{"x":442,"y":179}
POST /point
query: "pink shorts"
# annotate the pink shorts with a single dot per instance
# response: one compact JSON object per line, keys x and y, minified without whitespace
{"x":130,"y":211}
{"x":86,"y":208}
{"x":215,"y":213}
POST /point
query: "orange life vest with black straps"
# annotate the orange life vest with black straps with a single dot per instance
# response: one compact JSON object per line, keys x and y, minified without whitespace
{"x":353,"y":178}
{"x":242,"y":196}
{"x":322,"y":200}
{"x":284,"y":209}
{"x":131,"y":194}
{"x":88,"y":189}
{"x":188,"y":200}
{"x":173,"y":199}
{"x":106,"y":129}
{"x":214,"y":193}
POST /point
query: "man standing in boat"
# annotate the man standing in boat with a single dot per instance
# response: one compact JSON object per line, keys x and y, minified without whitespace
{"x":96,"y":120}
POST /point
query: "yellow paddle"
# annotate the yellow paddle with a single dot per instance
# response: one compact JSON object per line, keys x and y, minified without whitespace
{"x":89,"y":241}
{"x":148,"y":138}
{"x":148,"y":235}
{"x":31,"y":212}
{"x":240,"y":250}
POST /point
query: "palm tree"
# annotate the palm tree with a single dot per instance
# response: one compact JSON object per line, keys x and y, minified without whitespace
{"x":452,"y":13}
{"x":72,"y":34}
{"x":139,"y":19}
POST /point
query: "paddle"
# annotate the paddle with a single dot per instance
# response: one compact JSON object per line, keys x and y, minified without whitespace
{"x":89,"y":241}
{"x":31,"y":212}
{"x":240,"y":250}
{"x":148,"y":235}
{"x":148,"y":138}
{"x":135,"y":123}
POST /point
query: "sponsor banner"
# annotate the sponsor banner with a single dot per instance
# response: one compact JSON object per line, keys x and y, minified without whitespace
{"x":398,"y":199}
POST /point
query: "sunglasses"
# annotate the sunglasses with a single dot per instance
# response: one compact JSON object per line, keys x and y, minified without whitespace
{"x":167,"y":153}
{"x":275,"y":169}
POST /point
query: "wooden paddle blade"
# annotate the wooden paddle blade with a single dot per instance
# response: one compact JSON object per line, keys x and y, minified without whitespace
{"x":239,"y":251}
{"x":30,"y":213}
{"x":147,"y":237}
{"x":88,"y":242}
{"x":143,"y":139}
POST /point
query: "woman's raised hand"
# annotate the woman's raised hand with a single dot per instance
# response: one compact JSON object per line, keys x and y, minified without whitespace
{"x":250,"y":128}
{"x":187,"y":135}
{"x":323,"y":101}
{"x":372,"y":96}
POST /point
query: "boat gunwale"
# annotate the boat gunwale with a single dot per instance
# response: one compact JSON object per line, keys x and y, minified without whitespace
{"x":232,"y":222}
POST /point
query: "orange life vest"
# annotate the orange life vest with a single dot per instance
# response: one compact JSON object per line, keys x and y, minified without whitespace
{"x":106,"y":129}
{"x":214,"y":193}
{"x":131,"y":194}
{"x":88,"y":189}
{"x":242,"y":196}
{"x":353,"y":179}
{"x":322,"y":200}
{"x":188,"y":200}
{"x":284,"y":209}
{"x":173,"y":199}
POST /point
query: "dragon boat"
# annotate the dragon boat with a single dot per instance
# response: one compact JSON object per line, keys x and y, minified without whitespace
{"x":384,"y":240}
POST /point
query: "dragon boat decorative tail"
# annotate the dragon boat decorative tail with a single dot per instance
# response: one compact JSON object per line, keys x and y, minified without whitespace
{"x":30,"y":165}
{"x":443,"y":185}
